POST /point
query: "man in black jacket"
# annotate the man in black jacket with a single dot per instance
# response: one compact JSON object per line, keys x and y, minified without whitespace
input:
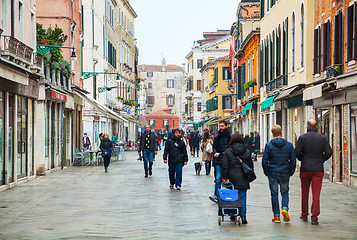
{"x":312,"y":149}
{"x":148,"y":146}
{"x":175,"y":150}
{"x":220,"y":144}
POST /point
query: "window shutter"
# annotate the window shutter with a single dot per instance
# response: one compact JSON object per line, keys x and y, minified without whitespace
{"x":328,"y":45}
{"x":173,"y":101}
{"x":223,"y":102}
{"x":349,"y":31}
{"x":322,"y":47}
{"x":337,"y":53}
{"x":354,"y":53}
{"x":167,"y":83}
{"x":173,"y":83}
{"x":153,"y":100}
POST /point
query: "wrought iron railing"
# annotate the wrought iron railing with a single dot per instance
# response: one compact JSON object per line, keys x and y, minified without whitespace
{"x":276,"y":83}
{"x":16,"y":47}
{"x":334,"y":70}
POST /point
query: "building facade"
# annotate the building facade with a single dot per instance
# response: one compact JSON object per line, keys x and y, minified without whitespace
{"x":162,"y":119}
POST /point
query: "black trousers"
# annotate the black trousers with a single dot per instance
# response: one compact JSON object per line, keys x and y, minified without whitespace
{"x":106,"y":161}
{"x":208,"y":166}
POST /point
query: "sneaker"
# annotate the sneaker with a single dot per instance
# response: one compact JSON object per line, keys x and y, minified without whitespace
{"x":314,"y":221}
{"x":106,"y":169}
{"x":276,"y":220}
{"x":178,"y":188}
{"x":213,"y":198}
{"x":171,"y":186}
{"x":285,"y":214}
{"x":150,"y":172}
{"x":303,"y":218}
{"x":244,"y":220}
{"x":146,"y":175}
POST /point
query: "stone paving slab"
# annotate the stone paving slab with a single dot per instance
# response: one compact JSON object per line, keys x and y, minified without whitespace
{"x":87,"y":203}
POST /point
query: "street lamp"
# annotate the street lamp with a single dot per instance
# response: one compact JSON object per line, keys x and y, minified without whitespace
{"x":43,"y":49}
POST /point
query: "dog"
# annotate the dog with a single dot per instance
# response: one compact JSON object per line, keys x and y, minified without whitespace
{"x":198,"y":168}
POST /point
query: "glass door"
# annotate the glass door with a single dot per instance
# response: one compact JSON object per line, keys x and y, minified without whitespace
{"x":21,"y":137}
{"x":11,"y":138}
{"x":2,"y":143}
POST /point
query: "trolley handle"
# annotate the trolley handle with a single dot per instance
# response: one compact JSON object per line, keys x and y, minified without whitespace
{"x":229,"y":185}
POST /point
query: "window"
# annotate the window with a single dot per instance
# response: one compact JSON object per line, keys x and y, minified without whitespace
{"x":338,"y":41}
{"x":248,"y":72}
{"x":186,"y":108}
{"x":170,"y":100}
{"x":152,"y":122}
{"x":227,"y":75}
{"x":199,"y":85}
{"x":216,"y":75}
{"x":302,"y":36}
{"x":322,"y":47}
{"x":112,"y":54}
{"x":150,"y":74}
{"x":212,"y":104}
{"x":293,"y":43}
{"x":262,"y":8}
{"x":4,"y":16}
{"x":150,"y":100}
{"x":354,"y":137}
{"x":170,"y":83}
{"x":252,"y":65}
{"x":351,"y":32}
{"x":199,"y":63}
{"x":165,"y":122}
{"x":21,"y":22}
{"x":199,"y":107}
{"x":227,"y":102}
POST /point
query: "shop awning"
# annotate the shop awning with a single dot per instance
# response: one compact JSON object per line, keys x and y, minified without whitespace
{"x":312,"y":92}
{"x":103,"y":109}
{"x":248,"y":106}
{"x":268,"y":102}
{"x":206,"y":120}
{"x":285,"y":93}
{"x":216,"y":121}
{"x":131,"y":119}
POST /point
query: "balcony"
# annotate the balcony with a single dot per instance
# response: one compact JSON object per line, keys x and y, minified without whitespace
{"x":276,"y":83}
{"x":212,"y":88}
{"x":189,"y":95}
{"x":334,"y":71}
{"x":16,"y":51}
{"x":37,"y":62}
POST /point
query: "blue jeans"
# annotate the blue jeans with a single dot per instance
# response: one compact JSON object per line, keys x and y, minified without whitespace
{"x":218,"y":179}
{"x":175,"y":174}
{"x":276,"y":179}
{"x":148,"y":158}
{"x":242,"y":193}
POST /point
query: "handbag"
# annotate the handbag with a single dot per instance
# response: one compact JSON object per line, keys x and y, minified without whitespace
{"x":209,"y":148}
{"x":247,"y":171}
{"x":106,"y":153}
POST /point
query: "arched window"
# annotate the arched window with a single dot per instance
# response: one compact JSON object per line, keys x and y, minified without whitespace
{"x":293,"y":43}
{"x":302,"y":36}
{"x":170,"y":100}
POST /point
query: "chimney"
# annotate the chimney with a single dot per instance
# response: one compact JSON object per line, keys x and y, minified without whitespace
{"x":183,"y":67}
{"x":163,"y":64}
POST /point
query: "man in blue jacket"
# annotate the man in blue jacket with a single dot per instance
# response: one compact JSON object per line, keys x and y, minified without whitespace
{"x":279,"y":162}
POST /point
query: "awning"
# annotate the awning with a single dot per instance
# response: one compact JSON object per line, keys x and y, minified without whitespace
{"x":206,"y":120}
{"x":103,"y":109}
{"x":285,"y":93}
{"x":131,"y":119}
{"x":216,"y":121}
{"x":247,"y":107}
{"x":312,"y":92}
{"x":268,"y":102}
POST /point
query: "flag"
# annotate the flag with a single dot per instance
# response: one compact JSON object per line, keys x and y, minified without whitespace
{"x":231,"y":57}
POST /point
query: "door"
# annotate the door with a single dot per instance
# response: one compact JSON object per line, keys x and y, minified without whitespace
{"x":11,"y":138}
{"x":2,"y":137}
{"x":21,"y":137}
{"x":323,"y":127}
{"x":53,"y":139}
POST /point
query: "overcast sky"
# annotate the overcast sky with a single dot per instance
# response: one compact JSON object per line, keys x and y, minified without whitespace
{"x":167,"y":28}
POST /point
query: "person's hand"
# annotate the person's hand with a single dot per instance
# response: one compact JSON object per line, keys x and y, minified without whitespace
{"x":139,"y":152}
{"x":216,"y":155}
{"x":165,"y":161}
{"x":226,"y":181}
{"x":185,"y":163}
{"x":155,"y":152}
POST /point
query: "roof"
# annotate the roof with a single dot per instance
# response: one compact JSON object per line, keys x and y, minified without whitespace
{"x":160,"y":114}
{"x":169,"y":67}
{"x":211,"y":36}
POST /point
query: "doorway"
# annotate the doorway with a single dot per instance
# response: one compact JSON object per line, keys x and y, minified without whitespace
{"x":53,"y":109}
{"x":22,"y":107}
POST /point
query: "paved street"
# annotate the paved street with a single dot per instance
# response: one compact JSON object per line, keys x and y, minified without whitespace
{"x":86,"y":203}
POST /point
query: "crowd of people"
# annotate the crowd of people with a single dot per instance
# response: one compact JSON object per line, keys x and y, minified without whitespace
{"x":228,"y":153}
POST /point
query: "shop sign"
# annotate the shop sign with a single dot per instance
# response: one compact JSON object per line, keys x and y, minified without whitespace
{"x":58,"y":96}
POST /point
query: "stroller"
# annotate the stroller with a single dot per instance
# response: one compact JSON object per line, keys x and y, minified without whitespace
{"x":228,"y":203}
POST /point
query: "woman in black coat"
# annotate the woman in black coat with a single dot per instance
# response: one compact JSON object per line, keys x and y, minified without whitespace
{"x":232,"y":170}
{"x":106,"y":146}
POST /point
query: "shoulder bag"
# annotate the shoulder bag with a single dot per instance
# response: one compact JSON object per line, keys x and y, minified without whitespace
{"x":247,"y":171}
{"x":209,"y":147}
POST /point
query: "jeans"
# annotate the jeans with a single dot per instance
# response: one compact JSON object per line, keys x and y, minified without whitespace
{"x":276,"y":179}
{"x":175,"y":174}
{"x":242,"y":193}
{"x":315,"y":180}
{"x":208,"y":166}
{"x":196,"y":149}
{"x":218,"y":179}
{"x":106,"y":161}
{"x":148,"y":158}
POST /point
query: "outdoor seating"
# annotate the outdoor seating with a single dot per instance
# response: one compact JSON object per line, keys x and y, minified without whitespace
{"x":78,"y":155}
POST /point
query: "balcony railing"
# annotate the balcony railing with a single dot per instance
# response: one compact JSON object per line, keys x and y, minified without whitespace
{"x":276,"y":83}
{"x":334,"y":71}
{"x":12,"y":46}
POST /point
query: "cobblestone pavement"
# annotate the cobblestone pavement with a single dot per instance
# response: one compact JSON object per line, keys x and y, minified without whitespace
{"x":87,"y":203}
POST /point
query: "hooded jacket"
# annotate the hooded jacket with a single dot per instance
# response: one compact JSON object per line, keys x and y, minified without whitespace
{"x":231,"y":167}
{"x":175,"y":150}
{"x":220,"y":144}
{"x":279,"y":157}
{"x":312,"y":149}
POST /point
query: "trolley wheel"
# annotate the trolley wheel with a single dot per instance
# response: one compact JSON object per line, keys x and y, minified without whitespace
{"x":219,"y":220}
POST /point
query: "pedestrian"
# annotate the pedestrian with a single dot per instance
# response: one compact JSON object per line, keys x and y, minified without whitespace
{"x":176,"y":154}
{"x":100,"y":136}
{"x":246,"y":138}
{"x":183,"y":137}
{"x":312,"y":149}
{"x":207,"y":151}
{"x":220,"y":144}
{"x":250,"y":143}
{"x":257,"y":143}
{"x":165,"y":137}
{"x":114,"y":139}
{"x":106,"y":146}
{"x":148,"y":146}
{"x":157,"y":136}
{"x":195,"y":141}
{"x":86,"y":141}
{"x":190,"y":138}
{"x":279,"y":162}
{"x":232,"y":170}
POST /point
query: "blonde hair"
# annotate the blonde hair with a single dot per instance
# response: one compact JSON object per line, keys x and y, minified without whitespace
{"x":276,"y":130}
{"x":105,"y":135}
